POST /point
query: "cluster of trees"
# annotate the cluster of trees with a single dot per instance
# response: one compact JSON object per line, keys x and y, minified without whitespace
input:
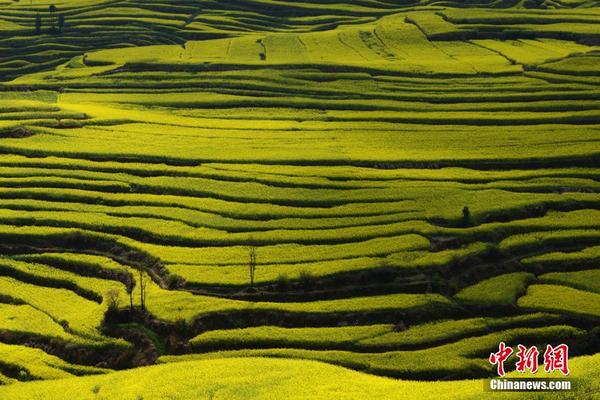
{"x":56,"y":21}
{"x":113,"y":295}
{"x":113,"y":298}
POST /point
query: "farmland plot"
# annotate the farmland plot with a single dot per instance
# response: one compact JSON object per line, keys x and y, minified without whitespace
{"x":415,"y":183}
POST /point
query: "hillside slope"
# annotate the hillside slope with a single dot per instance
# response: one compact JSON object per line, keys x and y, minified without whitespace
{"x":99,"y":24}
{"x":266,"y":379}
{"x":415,"y":183}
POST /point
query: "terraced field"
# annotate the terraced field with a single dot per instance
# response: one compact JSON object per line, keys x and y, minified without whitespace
{"x":416,"y":181}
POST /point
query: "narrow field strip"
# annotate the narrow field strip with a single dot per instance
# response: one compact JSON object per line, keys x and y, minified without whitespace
{"x":360,"y":338}
{"x":553,"y":298}
{"x":36,"y":364}
{"x":455,"y":358}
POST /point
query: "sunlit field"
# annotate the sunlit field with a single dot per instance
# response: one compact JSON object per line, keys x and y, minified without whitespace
{"x":296,"y":200}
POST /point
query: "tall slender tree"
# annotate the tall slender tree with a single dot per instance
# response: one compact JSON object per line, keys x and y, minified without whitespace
{"x":466,"y":216}
{"x":130,"y":285}
{"x":252,"y":263}
{"x":142,"y":288}
{"x":38,"y":24}
{"x":61,"y":22}
{"x":52,"y":11}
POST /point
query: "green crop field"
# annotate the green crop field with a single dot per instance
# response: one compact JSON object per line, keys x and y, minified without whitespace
{"x":268,"y":199}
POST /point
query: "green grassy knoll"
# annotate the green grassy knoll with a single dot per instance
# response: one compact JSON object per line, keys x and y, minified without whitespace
{"x":561,"y":299}
{"x":586,"y":257}
{"x":585,"y":280}
{"x":552,"y":237}
{"x":582,"y":65}
{"x":82,"y":316}
{"x":34,"y":364}
{"x":237,"y":275}
{"x":42,"y":275}
{"x":174,"y":305}
{"x":25,"y":318}
{"x":369,"y":146}
{"x":501,"y":290}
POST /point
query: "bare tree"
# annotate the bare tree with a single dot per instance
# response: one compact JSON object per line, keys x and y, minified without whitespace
{"x":112,"y":298}
{"x":466,"y":215}
{"x":52,"y":10}
{"x":142,"y":288}
{"x":252,"y":263}
{"x":38,"y":24}
{"x":130,"y":285}
{"x":61,"y":22}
